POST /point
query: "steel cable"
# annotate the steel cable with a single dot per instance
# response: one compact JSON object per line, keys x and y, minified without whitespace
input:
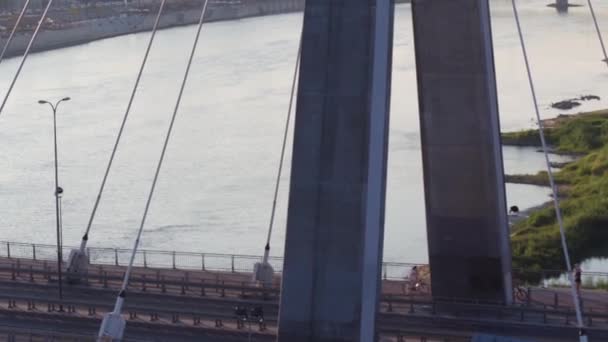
{"x":26,"y":54}
{"x":283,"y":150}
{"x":558,"y":212}
{"x":122,"y":126}
{"x":599,"y":32}
{"x":164,"y":150}
{"x":12,"y":35}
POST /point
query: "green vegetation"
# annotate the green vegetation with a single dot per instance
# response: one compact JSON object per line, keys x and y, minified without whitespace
{"x":527,"y":137}
{"x":583,"y":193}
{"x":568,"y":134}
{"x":540,"y":178}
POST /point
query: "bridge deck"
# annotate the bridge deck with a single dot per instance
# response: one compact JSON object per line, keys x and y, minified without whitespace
{"x":195,"y":303}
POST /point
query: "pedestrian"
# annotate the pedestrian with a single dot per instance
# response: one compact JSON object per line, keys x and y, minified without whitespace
{"x":413,"y":278}
{"x":577,"y":277}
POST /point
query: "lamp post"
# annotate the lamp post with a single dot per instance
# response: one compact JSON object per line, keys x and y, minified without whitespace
{"x":58,"y":193}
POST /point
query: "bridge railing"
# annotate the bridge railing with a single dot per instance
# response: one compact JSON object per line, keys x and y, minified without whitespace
{"x":168,"y":259}
{"x":559,"y":278}
{"x":143,"y":258}
{"x":244,"y":263}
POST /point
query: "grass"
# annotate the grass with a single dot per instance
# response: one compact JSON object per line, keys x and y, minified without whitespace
{"x":540,"y":178}
{"x":527,"y":137}
{"x":572,"y":134}
{"x":536,"y":241}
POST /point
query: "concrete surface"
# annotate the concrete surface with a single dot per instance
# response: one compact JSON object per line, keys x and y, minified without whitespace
{"x":468,"y":237}
{"x":335,"y":220}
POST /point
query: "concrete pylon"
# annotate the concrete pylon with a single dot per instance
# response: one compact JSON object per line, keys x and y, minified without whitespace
{"x":335,"y":225}
{"x":468,"y":234}
{"x":561,"y":5}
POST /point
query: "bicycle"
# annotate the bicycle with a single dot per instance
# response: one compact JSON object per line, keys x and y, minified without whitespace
{"x":419,"y":287}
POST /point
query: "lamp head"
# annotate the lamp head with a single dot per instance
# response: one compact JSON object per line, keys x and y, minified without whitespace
{"x":42,"y":102}
{"x":66,"y":99}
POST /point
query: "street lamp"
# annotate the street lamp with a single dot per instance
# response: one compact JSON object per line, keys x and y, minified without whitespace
{"x":58,"y":194}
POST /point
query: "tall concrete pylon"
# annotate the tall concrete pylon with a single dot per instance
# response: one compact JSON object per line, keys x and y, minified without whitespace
{"x":468,"y":232}
{"x":562,"y":5}
{"x":335,"y":225}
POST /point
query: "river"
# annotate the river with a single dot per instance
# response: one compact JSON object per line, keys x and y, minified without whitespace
{"x":215,"y":190}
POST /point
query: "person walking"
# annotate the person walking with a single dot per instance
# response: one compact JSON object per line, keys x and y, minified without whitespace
{"x":413,"y":278}
{"x":578,"y":277}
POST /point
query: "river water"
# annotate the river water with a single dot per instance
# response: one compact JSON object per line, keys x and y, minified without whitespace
{"x":215,"y":190}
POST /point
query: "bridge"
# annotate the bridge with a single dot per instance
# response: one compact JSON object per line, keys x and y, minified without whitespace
{"x":332,"y":284}
{"x":181,"y":296}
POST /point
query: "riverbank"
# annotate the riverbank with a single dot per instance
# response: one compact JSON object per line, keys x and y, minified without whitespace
{"x":583,"y":191}
{"x":74,"y":25}
{"x":62,"y":30}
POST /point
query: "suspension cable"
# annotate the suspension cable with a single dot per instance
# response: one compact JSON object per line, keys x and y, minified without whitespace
{"x":27,"y":52}
{"x":10,"y":37}
{"x":599,"y":32}
{"x":122,"y":126}
{"x":283,"y":148}
{"x":558,"y":212}
{"x":164,"y":150}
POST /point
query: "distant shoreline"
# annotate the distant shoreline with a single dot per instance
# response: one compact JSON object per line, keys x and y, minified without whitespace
{"x":90,"y":30}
